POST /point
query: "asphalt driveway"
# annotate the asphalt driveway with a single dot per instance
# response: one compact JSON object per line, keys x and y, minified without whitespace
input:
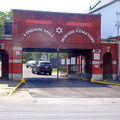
{"x":48,"y":86}
{"x":68,"y":88}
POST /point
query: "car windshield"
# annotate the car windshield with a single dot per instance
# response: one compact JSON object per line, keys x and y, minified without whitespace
{"x":45,"y":64}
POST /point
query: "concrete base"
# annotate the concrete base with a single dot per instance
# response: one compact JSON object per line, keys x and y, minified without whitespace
{"x":97,"y":76}
{"x":100,"y":76}
{"x":114,"y":76}
{"x":79,"y":75}
{"x":16,"y":77}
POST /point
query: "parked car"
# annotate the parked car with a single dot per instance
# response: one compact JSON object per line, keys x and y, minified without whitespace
{"x":42,"y":67}
{"x":30,"y":63}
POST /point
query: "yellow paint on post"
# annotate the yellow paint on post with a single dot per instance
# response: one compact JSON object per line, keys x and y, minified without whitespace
{"x":22,"y":80}
{"x":92,"y":80}
{"x":107,"y":83}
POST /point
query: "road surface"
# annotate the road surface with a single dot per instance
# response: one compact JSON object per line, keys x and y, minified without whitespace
{"x":58,"y":111}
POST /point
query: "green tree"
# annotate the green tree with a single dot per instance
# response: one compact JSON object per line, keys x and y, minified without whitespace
{"x":61,"y":55}
{"x":36,"y":55}
{"x":31,"y":56}
{"x":4,"y":17}
{"x":27,"y":56}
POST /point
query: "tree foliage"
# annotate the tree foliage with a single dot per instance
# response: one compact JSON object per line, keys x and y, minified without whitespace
{"x":61,"y":55}
{"x":37,"y":56}
{"x":27,"y":56}
{"x":4,"y":17}
{"x":31,"y":56}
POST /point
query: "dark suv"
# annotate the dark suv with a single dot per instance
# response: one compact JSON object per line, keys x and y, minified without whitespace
{"x":42,"y":67}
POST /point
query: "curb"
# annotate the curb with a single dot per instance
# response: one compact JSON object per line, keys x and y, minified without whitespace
{"x":22,"y":80}
{"x":107,"y":83}
{"x":92,"y":80}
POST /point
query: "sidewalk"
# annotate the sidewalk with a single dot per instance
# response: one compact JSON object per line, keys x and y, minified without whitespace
{"x":7,"y":85}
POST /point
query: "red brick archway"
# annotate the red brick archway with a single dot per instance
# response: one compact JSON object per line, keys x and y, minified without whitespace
{"x":63,"y":31}
{"x":36,"y":29}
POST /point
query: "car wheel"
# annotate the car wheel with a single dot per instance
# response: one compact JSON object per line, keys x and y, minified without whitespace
{"x":44,"y":73}
{"x":37,"y":72}
{"x":50,"y":73}
{"x":33,"y":71}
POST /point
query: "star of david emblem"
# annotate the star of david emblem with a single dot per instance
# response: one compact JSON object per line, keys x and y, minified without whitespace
{"x":59,"y":30}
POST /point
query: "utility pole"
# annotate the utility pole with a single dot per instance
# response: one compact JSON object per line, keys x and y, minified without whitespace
{"x":118,"y":27}
{"x":57,"y":63}
{"x":117,"y":23}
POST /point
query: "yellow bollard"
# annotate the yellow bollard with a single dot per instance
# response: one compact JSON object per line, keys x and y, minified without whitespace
{"x":22,"y":80}
{"x":92,"y":80}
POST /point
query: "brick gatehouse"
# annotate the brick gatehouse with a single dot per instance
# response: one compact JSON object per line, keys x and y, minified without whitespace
{"x":75,"y":34}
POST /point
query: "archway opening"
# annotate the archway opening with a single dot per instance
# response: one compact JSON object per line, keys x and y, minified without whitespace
{"x":4,"y":66}
{"x":107,"y":66}
{"x":0,"y":66}
{"x":68,"y":62}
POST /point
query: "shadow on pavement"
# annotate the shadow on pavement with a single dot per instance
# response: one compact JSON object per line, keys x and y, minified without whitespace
{"x":8,"y":83}
{"x":61,"y":82}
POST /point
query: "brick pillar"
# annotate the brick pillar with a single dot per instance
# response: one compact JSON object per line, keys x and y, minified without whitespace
{"x":79,"y":64}
{"x":15,"y":64}
{"x":96,"y":65}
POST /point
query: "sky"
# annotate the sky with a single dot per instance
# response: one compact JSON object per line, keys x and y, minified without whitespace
{"x":71,"y":6}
